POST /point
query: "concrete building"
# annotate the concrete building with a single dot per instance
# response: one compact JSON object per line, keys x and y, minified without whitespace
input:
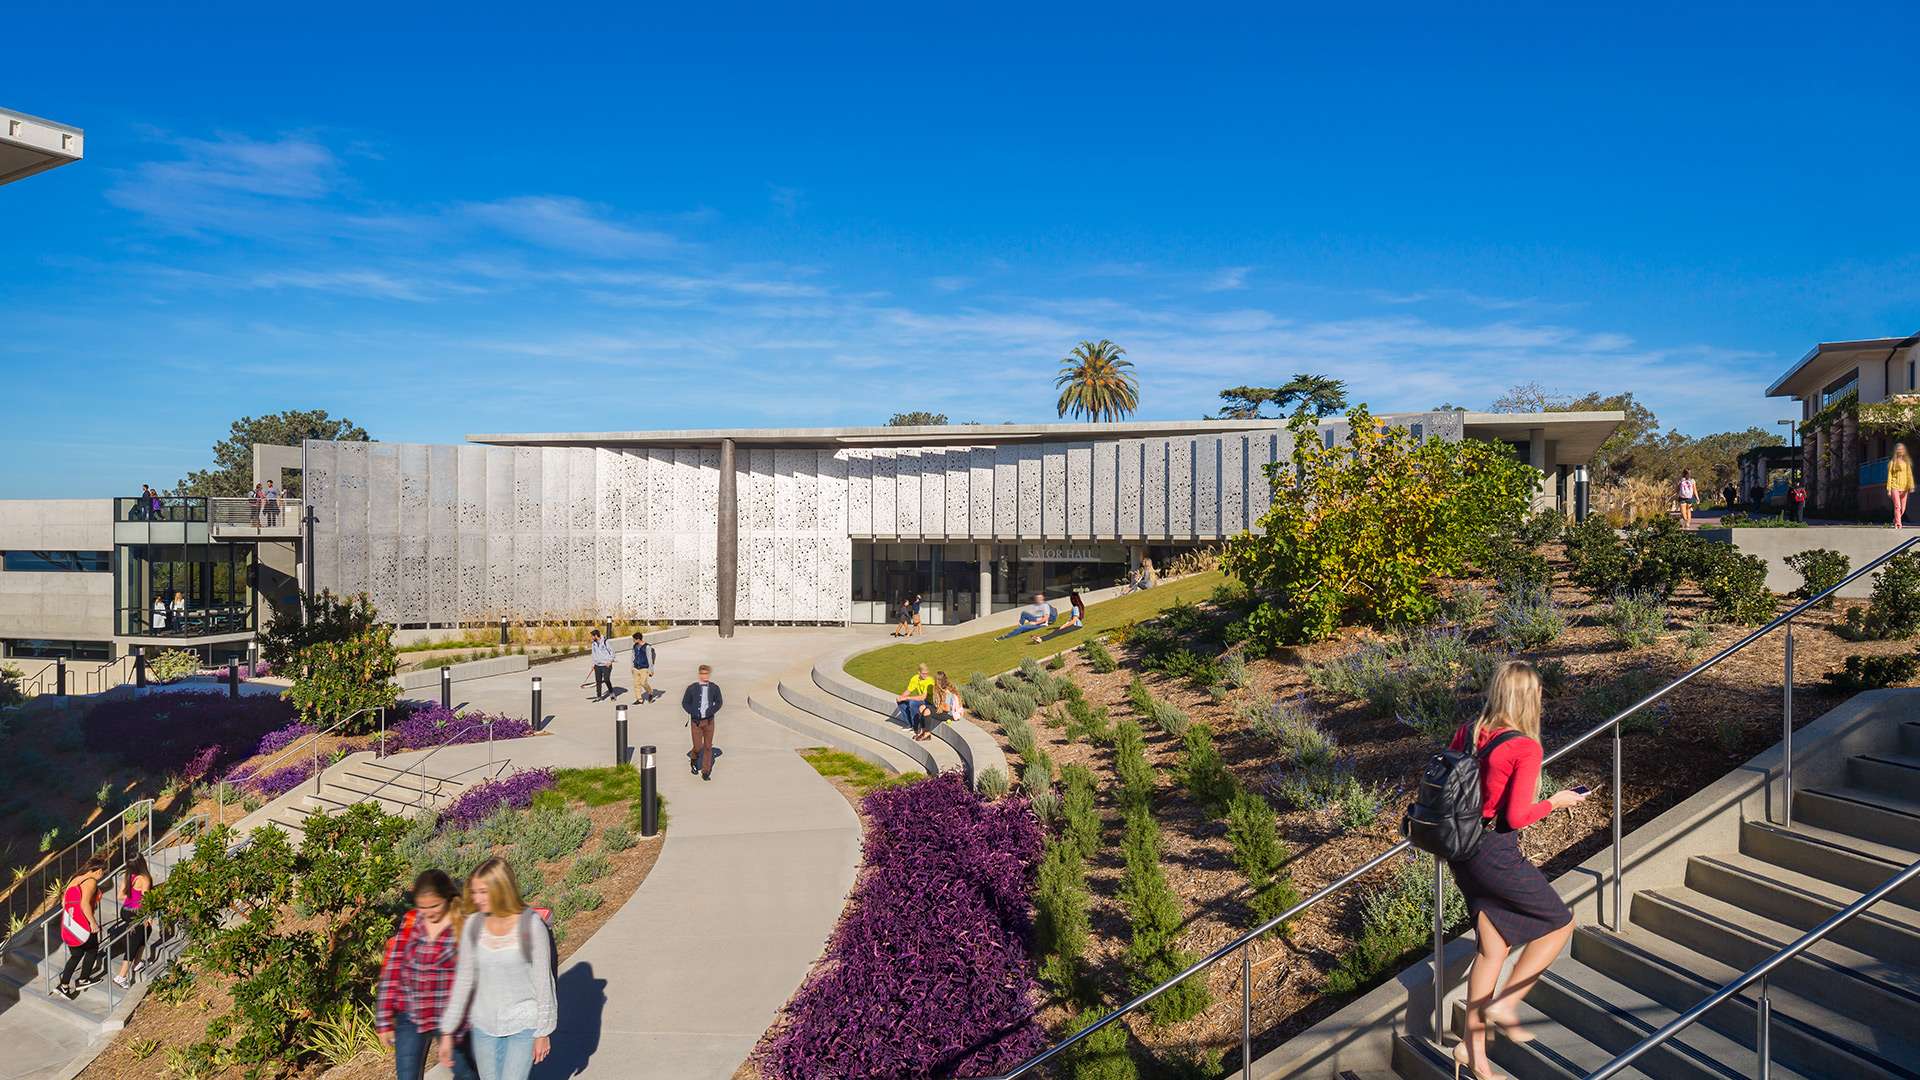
{"x":816,"y":525}
{"x":30,"y":145}
{"x":1851,"y":396}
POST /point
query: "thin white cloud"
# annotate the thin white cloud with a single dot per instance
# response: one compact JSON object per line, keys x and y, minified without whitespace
{"x":950,"y":282}
{"x":1227,"y":279}
{"x":567,"y":224}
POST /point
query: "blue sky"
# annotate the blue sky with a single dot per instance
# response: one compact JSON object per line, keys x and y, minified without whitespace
{"x":572,"y":218}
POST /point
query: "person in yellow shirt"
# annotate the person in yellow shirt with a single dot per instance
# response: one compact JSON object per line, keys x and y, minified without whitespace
{"x":910,"y":706}
{"x":1899,"y":482}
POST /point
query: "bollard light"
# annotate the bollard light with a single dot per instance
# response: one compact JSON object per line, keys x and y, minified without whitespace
{"x":253,"y":659}
{"x":233,"y":677}
{"x":446,"y":687}
{"x":649,"y":794}
{"x":59,"y":675}
{"x":139,"y":668}
{"x":607,"y":633}
{"x":537,"y":718}
{"x":503,"y":629}
{"x":620,"y":734}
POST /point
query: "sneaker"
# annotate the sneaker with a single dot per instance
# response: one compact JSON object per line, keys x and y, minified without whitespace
{"x":124,"y":984}
{"x":692,"y":766}
{"x":706,"y":776}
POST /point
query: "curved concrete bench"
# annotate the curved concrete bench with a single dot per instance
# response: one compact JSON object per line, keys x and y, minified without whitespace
{"x":809,"y":726}
{"x":976,"y":750}
{"x":810,"y":699}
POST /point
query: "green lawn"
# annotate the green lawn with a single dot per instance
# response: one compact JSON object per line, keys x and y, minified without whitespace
{"x":864,"y":776}
{"x":889,"y":668}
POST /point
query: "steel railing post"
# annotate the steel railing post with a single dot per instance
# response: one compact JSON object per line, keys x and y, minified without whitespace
{"x":1439,"y":946}
{"x":1618,"y":889}
{"x":489,"y":739}
{"x":1763,"y":1034}
{"x":383,"y":731}
{"x":1246,"y":1011}
{"x":1786,"y":733}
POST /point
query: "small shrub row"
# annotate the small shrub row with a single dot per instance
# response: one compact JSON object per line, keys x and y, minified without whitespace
{"x":1395,"y":919}
{"x":1154,"y":917}
{"x":1874,"y":672}
{"x":479,"y":802}
{"x":1099,"y":658}
{"x":1169,"y":717}
{"x":1261,"y":855}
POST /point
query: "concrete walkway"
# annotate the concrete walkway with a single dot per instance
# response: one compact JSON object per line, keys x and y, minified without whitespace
{"x":685,"y":977}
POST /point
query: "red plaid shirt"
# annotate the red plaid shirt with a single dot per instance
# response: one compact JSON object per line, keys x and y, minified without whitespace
{"x":417,"y":977}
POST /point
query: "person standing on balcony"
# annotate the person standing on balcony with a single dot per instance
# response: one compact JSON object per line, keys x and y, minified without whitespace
{"x":1689,"y":497}
{"x":256,"y":504}
{"x":80,"y":924}
{"x":1510,"y":900}
{"x":1899,"y":482}
{"x":159,"y":612}
{"x":602,"y":668}
{"x":273,"y":505}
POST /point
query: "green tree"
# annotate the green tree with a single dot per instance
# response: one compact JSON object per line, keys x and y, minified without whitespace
{"x":919,"y":418}
{"x":232,"y":473}
{"x":1096,"y":383}
{"x":1308,"y":395}
{"x":341,"y":658}
{"x":1363,"y":530}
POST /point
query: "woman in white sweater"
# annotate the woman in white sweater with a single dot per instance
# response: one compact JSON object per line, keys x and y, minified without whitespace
{"x":503,"y":986}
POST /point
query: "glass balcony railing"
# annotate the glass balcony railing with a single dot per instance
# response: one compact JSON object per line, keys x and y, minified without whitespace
{"x":248,"y":512}
{"x":160,"y":508}
{"x":186,"y":622}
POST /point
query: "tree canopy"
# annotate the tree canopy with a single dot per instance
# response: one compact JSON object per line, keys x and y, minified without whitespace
{"x":1096,"y":383}
{"x":1638,"y":447}
{"x":1307,"y":395}
{"x":918,"y":418}
{"x":232,"y":473}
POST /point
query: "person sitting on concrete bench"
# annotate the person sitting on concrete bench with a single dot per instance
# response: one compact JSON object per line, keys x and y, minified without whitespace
{"x":1032,"y":617}
{"x":908,"y":706}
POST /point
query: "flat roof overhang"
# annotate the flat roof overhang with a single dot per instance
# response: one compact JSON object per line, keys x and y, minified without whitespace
{"x":31,"y":145}
{"x":1578,"y":435}
{"x":1817,"y":368}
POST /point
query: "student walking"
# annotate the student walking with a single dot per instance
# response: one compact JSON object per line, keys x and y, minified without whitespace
{"x":701,"y":703}
{"x":644,"y":659}
{"x":1899,"y":482}
{"x":134,"y":924}
{"x":909,"y":617}
{"x":602,"y":668}
{"x":1689,"y":497}
{"x":917,"y":702}
{"x":1510,"y":900}
{"x":80,"y":924}
{"x":503,"y":980}
{"x":417,"y":976}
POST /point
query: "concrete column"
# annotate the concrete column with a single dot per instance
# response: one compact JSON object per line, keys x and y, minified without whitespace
{"x":727,"y":551}
{"x":984,"y":605}
{"x":1537,"y":457}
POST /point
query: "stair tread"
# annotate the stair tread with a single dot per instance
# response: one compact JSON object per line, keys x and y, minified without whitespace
{"x":811,"y":698}
{"x":1556,"y":1050}
{"x":1851,"y":793}
{"x":801,"y":722}
{"x":1709,"y":974}
{"x":1775,"y":935}
{"x":1896,"y":858}
{"x":1827,"y":892}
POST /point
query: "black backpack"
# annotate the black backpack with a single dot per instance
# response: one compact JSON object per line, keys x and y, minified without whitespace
{"x":1445,"y":818}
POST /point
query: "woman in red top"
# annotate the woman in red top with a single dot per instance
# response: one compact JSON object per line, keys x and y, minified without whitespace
{"x":80,"y":924}
{"x":1510,"y":900}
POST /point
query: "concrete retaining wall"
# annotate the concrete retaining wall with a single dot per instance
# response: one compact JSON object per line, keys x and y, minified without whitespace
{"x":472,"y":669}
{"x":1860,"y":543}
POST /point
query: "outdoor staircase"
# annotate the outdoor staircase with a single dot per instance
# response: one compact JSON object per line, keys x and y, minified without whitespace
{"x":1849,"y":1007}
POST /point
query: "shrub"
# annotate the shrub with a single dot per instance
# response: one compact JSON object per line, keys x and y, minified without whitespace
{"x":588,"y":869}
{"x":1395,"y":919}
{"x":1820,"y":569}
{"x":164,"y":733}
{"x":1101,"y":1055}
{"x":1099,"y":659}
{"x":1529,"y":619}
{"x":1736,"y":586}
{"x":1060,"y":923}
{"x":549,"y":835}
{"x":1417,"y":678}
{"x":1130,"y":765}
{"x":1037,"y":781}
{"x":1292,"y":731}
{"x":478,"y":802}
{"x":993,"y":783}
{"x":1203,"y":771}
{"x":1154,"y":914}
{"x":1661,"y":554}
{"x":1081,"y":820}
{"x":1636,"y":620}
{"x":1467,"y":604}
{"x":1607,"y":697}
{"x":172,"y":665}
{"x":1057,"y":661}
{"x":901,"y":994}
{"x":1201,"y":671}
{"x":429,"y":725}
{"x":1894,"y":610}
{"x":342,"y":658}
{"x":617,"y":838}
{"x":1234,"y":672}
{"x":1169,"y":717}
{"x":1363,"y":530}
{"x":1596,"y":559}
{"x":1087,"y":721}
{"x":1874,"y":672}
{"x":1260,"y":854}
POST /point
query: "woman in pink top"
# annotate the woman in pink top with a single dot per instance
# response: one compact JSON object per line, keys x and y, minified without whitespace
{"x":1509,"y":898}
{"x":134,"y":918}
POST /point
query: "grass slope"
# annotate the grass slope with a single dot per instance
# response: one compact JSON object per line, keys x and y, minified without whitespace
{"x":890,"y":667}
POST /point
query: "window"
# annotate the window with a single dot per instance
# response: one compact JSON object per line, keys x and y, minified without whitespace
{"x":88,"y":562}
{"x":46,"y":649}
{"x":1840,"y":387}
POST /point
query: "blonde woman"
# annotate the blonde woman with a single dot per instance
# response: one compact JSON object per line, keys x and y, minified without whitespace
{"x":1689,"y":498}
{"x":1510,"y":900}
{"x":1899,"y":482}
{"x":503,"y":984}
{"x":947,"y":705}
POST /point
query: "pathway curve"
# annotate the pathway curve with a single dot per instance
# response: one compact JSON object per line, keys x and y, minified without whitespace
{"x":685,"y":977}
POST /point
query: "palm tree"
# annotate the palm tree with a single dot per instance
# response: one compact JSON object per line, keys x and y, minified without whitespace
{"x":1096,"y":383}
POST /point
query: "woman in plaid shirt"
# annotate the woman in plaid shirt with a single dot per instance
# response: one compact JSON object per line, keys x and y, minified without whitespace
{"x":417,"y":977}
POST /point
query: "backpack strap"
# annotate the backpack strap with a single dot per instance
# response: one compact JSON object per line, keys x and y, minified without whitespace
{"x":1487,"y":750}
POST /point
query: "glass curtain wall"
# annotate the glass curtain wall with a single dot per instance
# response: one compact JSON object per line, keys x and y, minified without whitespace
{"x":184,"y":589}
{"x":945,"y":576}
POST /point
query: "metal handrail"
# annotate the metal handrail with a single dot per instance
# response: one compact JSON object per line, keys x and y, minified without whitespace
{"x":25,"y":886}
{"x":307,"y":741}
{"x":451,"y":739}
{"x":1763,"y":1043}
{"x":1246,"y":939}
{"x":97,"y":680}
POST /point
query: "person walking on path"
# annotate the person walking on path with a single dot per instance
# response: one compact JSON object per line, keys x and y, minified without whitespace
{"x":1732,"y":495}
{"x":1899,"y":482}
{"x":602,"y":668}
{"x":644,"y":659}
{"x":80,"y":924}
{"x":1511,"y":903}
{"x":909,"y":617}
{"x":1689,"y":497}
{"x":503,"y":980}
{"x":1076,"y":618}
{"x":133,"y":921}
{"x":702,"y":703}
{"x":416,"y":979}
{"x":911,"y":707}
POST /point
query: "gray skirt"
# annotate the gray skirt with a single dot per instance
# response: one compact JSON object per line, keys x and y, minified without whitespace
{"x":1511,"y":892}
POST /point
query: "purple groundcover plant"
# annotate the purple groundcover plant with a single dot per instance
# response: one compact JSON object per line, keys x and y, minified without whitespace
{"x":200,"y":764}
{"x":280,"y":738}
{"x":280,"y":781}
{"x":432,"y":724}
{"x":479,"y":802}
{"x":928,"y":973}
{"x":163,"y":733}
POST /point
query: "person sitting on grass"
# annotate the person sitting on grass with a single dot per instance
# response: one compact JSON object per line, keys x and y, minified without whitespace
{"x":908,"y":706}
{"x":1032,"y":617}
{"x":1076,"y":618}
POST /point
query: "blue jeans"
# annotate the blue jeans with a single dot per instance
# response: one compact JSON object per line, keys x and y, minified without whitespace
{"x":503,"y":1057}
{"x":1023,"y":628}
{"x":906,"y":711}
{"x":411,"y":1047}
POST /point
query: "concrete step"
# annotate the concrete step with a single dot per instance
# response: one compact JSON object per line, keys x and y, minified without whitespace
{"x":1870,"y":815}
{"x":333,"y":800}
{"x":933,"y":756}
{"x":830,"y":675}
{"x":376,"y":774}
{"x":1807,"y":1036}
{"x":814,"y":729}
{"x":1842,"y":979}
{"x":1890,"y":774}
{"x":1856,"y":863}
{"x":400,"y":789}
{"x":976,"y":750}
{"x":1800,"y":901}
